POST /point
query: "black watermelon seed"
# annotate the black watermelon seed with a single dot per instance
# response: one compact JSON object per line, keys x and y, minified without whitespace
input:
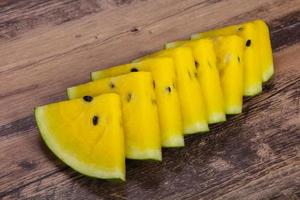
{"x":95,"y":120}
{"x":129,"y":97}
{"x":168,"y":89}
{"x":239,"y":59}
{"x":112,"y":85}
{"x":153,"y":82}
{"x":88,"y":98}
{"x":248,"y":43}
{"x":240,"y":29}
{"x":154,"y":102}
{"x":196,"y":64}
{"x":134,"y":70}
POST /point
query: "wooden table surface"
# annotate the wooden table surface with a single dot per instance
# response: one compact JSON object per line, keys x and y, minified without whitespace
{"x":47,"y":46}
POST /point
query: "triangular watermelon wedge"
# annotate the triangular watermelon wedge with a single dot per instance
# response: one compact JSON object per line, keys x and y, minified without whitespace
{"x":139,"y":111}
{"x":86,"y":134}
{"x":168,"y":104}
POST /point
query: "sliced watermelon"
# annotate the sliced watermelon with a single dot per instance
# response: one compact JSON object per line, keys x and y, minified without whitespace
{"x":230,"y":57}
{"x":164,"y":78}
{"x":265,"y":49}
{"x":86,"y":134}
{"x":189,"y":90}
{"x":139,"y":109}
{"x":252,"y":59}
{"x":208,"y":76}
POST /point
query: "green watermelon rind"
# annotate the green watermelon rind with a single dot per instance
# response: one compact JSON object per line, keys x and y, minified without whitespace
{"x":268,"y":74}
{"x":195,"y":128}
{"x":146,"y":154}
{"x":216,"y":117}
{"x":174,"y":142}
{"x":253,"y":90}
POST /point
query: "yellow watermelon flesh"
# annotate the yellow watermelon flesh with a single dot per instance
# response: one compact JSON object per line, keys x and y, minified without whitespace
{"x":164,"y":78}
{"x":252,"y":55}
{"x":139,"y":111}
{"x":86,"y":134}
{"x":265,"y":49}
{"x":208,"y":76}
{"x":230,"y":57}
{"x":191,"y":100}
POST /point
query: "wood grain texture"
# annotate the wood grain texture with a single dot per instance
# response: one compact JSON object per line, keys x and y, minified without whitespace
{"x":47,"y":46}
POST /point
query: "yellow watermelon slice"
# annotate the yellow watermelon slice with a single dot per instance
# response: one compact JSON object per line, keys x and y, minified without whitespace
{"x":208,"y":76}
{"x":230,"y":57}
{"x":265,"y":49}
{"x":139,"y":111}
{"x":164,"y":78}
{"x":86,"y":134}
{"x":191,"y":100}
{"x":253,"y":65}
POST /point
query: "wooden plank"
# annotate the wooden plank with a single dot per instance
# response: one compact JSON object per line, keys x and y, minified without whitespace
{"x":50,"y":45}
{"x":252,"y":154}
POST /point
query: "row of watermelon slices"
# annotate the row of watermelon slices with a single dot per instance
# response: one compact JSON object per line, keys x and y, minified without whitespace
{"x":132,"y":110}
